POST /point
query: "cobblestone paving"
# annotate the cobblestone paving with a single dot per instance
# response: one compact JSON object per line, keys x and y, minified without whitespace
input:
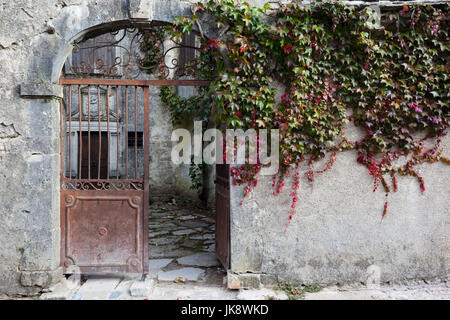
{"x":120,"y":288}
{"x":181,"y":243}
{"x":179,"y":228}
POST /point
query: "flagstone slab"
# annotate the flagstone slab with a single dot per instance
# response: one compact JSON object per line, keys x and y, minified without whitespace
{"x":194,"y":224}
{"x":188,"y":217}
{"x":203,"y":236}
{"x":164,"y":240}
{"x":96,"y":288}
{"x":142,"y":288}
{"x":157,"y":234}
{"x":155,"y":265}
{"x":184,"y":232}
{"x":202,"y":259}
{"x":191,"y":244}
{"x":190,"y":274}
{"x":99,"y":283}
{"x":169,"y":251}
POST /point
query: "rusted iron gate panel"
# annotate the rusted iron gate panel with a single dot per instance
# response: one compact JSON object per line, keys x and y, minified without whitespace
{"x":223,"y":250}
{"x":104,"y":206}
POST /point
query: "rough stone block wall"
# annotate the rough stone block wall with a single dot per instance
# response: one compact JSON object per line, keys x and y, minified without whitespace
{"x":35,"y":40}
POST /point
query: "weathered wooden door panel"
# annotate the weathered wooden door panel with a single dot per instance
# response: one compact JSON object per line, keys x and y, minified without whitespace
{"x":91,"y":151}
{"x":223,"y":250}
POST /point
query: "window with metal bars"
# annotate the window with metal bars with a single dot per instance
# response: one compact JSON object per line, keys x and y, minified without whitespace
{"x":132,"y":139}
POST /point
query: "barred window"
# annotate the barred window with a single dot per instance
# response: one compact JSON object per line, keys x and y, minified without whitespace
{"x":132,"y":139}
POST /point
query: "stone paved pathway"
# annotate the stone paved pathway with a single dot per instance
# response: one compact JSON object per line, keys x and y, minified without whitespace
{"x":179,"y":228}
{"x":120,"y":288}
{"x":181,"y":243}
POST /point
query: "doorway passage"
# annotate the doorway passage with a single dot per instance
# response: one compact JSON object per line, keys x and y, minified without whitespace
{"x":182,"y":241}
{"x":180,"y":227}
{"x":110,"y":124}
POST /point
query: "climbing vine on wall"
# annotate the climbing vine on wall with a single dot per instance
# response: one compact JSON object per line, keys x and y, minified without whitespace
{"x":335,"y":68}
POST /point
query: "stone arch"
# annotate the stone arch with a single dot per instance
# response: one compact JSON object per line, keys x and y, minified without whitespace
{"x":83,"y":35}
{"x":87,"y":19}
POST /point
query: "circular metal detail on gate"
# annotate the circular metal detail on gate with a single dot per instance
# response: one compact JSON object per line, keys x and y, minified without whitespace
{"x":69,"y":199}
{"x":134,"y":262}
{"x":136,"y":200}
{"x":102,"y":231}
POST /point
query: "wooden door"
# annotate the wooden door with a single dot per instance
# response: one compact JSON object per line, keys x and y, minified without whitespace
{"x":223,"y":250}
{"x":90,"y":156}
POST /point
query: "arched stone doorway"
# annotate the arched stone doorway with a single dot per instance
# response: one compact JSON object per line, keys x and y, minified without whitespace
{"x":106,"y":129}
{"x":39,"y":51}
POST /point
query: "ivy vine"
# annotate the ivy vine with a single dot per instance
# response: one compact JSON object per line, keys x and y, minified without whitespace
{"x":336,"y":68}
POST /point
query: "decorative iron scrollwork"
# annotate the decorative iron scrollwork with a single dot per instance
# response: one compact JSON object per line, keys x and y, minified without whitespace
{"x":129,"y":52}
{"x":102,"y":185}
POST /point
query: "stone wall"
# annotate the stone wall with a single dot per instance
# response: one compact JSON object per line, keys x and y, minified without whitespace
{"x":337,"y":235}
{"x":36,"y":38}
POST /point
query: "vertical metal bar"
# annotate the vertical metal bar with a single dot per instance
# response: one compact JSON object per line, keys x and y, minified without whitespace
{"x":135,"y":131}
{"x":61,"y":139}
{"x":146,"y":178}
{"x":80,"y":144}
{"x":126,"y":132}
{"x":89,"y":132}
{"x":117,"y":130}
{"x":107,"y":129}
{"x":70,"y":132}
{"x":146,"y":135}
{"x":99,"y":133}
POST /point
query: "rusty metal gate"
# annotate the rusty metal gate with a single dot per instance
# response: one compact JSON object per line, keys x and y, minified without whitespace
{"x":223,"y":250}
{"x":104,"y":179}
{"x":105,"y":143}
{"x":105,"y":174}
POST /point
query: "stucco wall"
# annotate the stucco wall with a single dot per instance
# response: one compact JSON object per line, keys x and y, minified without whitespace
{"x":337,"y":235}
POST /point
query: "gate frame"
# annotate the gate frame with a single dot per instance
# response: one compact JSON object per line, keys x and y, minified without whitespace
{"x":145,"y":84}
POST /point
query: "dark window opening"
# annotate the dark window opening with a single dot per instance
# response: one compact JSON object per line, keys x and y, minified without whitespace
{"x":133,"y":141}
{"x":94,"y":56}
{"x":187,"y":51}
